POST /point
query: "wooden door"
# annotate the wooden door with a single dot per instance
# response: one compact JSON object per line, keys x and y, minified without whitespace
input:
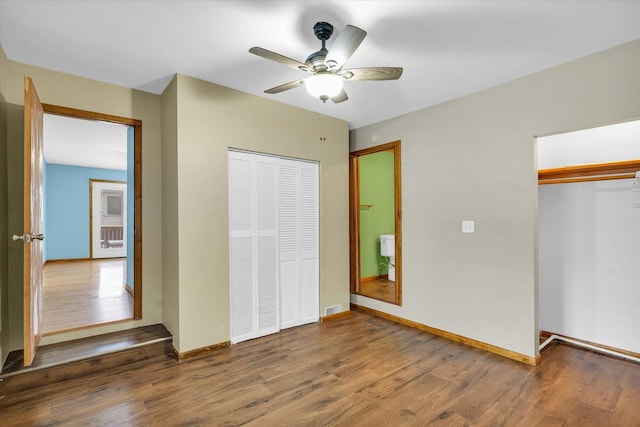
{"x":33,"y":159}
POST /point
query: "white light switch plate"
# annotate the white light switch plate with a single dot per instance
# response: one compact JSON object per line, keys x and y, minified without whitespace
{"x":468,"y":226}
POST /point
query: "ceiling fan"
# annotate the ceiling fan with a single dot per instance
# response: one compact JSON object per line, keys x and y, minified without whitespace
{"x":325,"y":67}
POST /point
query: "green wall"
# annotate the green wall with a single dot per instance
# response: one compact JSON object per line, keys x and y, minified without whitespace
{"x":376,"y":189}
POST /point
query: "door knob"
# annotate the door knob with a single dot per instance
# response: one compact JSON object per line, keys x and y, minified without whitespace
{"x":28,"y":237}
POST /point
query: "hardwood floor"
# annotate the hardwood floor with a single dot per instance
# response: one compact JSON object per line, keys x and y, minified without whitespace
{"x":82,"y":293}
{"x":71,"y":359}
{"x":380,"y":289}
{"x":356,"y":371}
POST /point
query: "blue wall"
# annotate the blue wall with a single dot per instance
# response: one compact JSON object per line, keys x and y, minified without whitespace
{"x":66,"y":205}
{"x":44,"y":207}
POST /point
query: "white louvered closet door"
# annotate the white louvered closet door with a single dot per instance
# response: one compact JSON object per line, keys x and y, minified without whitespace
{"x":298,"y":242}
{"x":253,"y":243}
{"x":309,"y":244}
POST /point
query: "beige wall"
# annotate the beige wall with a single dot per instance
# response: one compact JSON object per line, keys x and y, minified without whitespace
{"x":211,"y":119}
{"x":77,"y":92}
{"x":474,"y":159}
{"x":4,"y":237}
{"x":186,"y":134}
{"x":4,"y":72}
{"x":170,"y":249}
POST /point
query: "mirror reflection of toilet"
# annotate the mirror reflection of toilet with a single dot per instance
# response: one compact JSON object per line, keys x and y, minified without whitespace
{"x":388,"y":249}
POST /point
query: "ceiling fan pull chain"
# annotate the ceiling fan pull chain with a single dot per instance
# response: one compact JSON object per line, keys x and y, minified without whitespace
{"x":323,"y":136}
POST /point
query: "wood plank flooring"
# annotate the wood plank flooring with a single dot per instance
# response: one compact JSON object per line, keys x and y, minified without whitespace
{"x":356,"y":371}
{"x":380,"y":289}
{"x":72,"y":359}
{"x":83,"y":293}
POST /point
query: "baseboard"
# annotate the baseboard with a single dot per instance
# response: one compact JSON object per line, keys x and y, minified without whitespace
{"x":66,"y":260}
{"x":453,"y":337}
{"x":547,"y":334}
{"x":336,"y":316}
{"x":79,"y":328}
{"x":200,"y":351}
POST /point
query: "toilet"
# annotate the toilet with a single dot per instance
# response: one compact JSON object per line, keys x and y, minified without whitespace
{"x":388,"y":249}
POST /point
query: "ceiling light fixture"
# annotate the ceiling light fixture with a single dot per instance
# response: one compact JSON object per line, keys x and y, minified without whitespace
{"x":323,"y":85}
{"x":326,"y":66}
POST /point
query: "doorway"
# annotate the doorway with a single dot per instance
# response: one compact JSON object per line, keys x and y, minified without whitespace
{"x":589,"y":236}
{"x":376,"y":223}
{"x":92,"y":274}
{"x":108,"y":219}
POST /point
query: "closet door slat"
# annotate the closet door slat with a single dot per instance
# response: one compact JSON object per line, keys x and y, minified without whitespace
{"x":288,"y":230}
{"x":299,"y":242}
{"x":242,"y":289}
{"x":241,"y":249}
{"x":309,"y":243}
{"x":266,"y":185}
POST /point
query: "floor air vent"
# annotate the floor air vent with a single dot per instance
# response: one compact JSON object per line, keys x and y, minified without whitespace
{"x":333,"y":309}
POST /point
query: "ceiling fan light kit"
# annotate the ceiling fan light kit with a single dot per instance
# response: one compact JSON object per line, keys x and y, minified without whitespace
{"x":323,"y":85}
{"x":327,"y":76}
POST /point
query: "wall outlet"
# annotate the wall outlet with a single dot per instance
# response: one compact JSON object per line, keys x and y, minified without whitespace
{"x":468,"y":226}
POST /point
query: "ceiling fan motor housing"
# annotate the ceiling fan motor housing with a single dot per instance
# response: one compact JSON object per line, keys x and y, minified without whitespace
{"x":323,"y":30}
{"x":315,"y":61}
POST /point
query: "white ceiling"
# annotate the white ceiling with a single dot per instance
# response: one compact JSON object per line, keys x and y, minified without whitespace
{"x":447,"y":48}
{"x":87,"y":143}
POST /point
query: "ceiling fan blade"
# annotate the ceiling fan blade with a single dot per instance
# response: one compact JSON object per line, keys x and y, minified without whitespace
{"x":279,"y":58}
{"x":344,"y":46}
{"x":373,"y":73}
{"x":286,"y":86}
{"x":341,"y":97}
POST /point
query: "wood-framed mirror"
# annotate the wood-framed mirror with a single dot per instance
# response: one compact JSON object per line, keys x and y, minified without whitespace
{"x":375,"y":222}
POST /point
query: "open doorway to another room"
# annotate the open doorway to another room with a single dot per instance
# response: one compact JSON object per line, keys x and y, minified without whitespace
{"x":375,"y":223}
{"x":589,"y":237}
{"x":88,"y":186}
